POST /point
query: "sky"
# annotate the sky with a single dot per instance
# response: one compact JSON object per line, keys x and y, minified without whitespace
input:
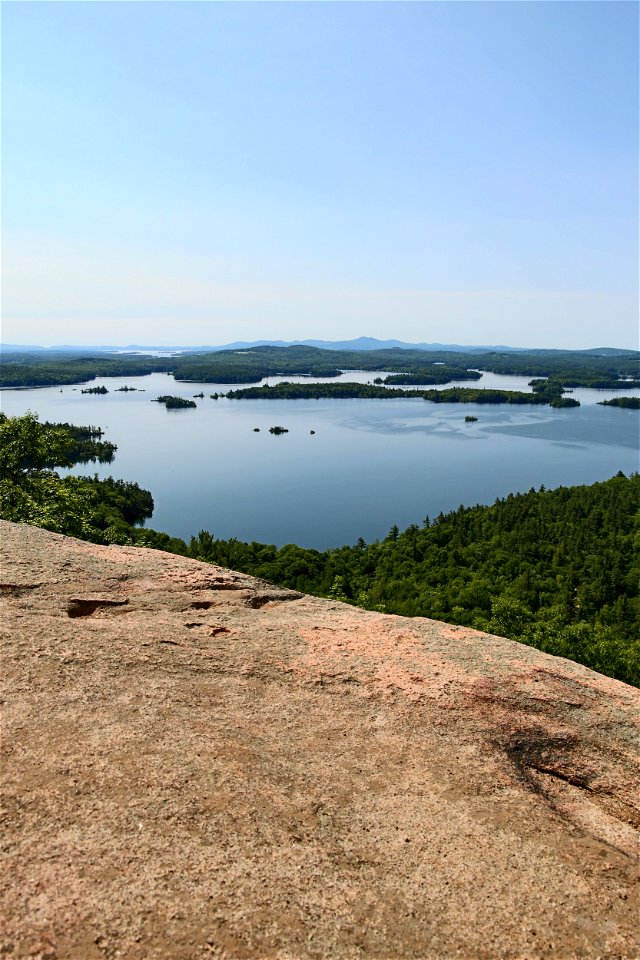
{"x":203,"y":172}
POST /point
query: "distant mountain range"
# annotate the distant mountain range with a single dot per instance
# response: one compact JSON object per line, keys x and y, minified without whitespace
{"x":359,"y":343}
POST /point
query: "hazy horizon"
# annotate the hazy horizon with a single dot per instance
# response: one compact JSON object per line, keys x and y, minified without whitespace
{"x":204,"y":173}
{"x":134,"y":345}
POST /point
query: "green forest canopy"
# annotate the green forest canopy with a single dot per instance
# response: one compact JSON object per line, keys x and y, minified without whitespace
{"x":31,"y":491}
{"x":556,"y":569}
{"x":544,"y":392}
{"x":631,"y":403}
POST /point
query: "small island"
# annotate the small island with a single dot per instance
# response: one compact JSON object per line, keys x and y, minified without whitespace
{"x":126,"y":389}
{"x":100,"y":390}
{"x":558,"y":402}
{"x":470,"y":419}
{"x":629,"y":403}
{"x":278,"y":430}
{"x":443,"y":374}
{"x":175,"y":403}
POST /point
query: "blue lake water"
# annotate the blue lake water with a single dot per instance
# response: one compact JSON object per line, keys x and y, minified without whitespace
{"x":370,"y":463}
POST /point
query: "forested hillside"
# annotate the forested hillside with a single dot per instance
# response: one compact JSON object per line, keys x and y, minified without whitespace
{"x":31,"y":491}
{"x":565,"y":368}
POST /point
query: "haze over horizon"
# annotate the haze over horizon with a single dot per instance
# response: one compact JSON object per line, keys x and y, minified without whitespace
{"x":351,"y":344}
{"x":204,"y":173}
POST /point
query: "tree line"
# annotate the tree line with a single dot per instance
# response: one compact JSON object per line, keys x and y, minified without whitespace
{"x":286,"y":390}
{"x":613,"y":369}
{"x":31,"y":491}
{"x":631,"y":403}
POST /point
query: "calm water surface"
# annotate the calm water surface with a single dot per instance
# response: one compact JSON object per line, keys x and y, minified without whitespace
{"x":370,"y":463}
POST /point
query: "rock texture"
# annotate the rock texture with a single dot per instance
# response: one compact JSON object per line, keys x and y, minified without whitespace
{"x":199,"y":764}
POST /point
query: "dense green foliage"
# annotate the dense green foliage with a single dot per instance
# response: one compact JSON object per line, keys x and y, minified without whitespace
{"x":564,"y":402}
{"x":175,"y":403}
{"x":433,"y":374}
{"x":57,"y":370}
{"x":569,"y":367}
{"x":343,"y":390}
{"x":32,"y":492}
{"x":28,"y":447}
{"x":551,"y":391}
{"x":477,"y":395}
{"x":600,"y":383}
{"x":86,"y":446}
{"x":317,"y":391}
{"x":97,"y":390}
{"x":566,"y":368}
{"x":631,"y":403}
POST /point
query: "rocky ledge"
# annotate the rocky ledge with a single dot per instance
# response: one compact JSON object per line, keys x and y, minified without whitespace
{"x":199,"y":764}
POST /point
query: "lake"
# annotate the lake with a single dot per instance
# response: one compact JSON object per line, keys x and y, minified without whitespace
{"x":369,"y":465}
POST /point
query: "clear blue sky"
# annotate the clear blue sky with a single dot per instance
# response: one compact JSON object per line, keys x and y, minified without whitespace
{"x":200,"y":172}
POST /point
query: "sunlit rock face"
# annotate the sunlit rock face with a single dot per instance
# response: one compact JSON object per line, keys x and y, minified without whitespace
{"x":200,"y":764}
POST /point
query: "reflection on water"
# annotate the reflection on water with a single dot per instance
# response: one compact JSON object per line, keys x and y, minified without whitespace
{"x":370,"y":463}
